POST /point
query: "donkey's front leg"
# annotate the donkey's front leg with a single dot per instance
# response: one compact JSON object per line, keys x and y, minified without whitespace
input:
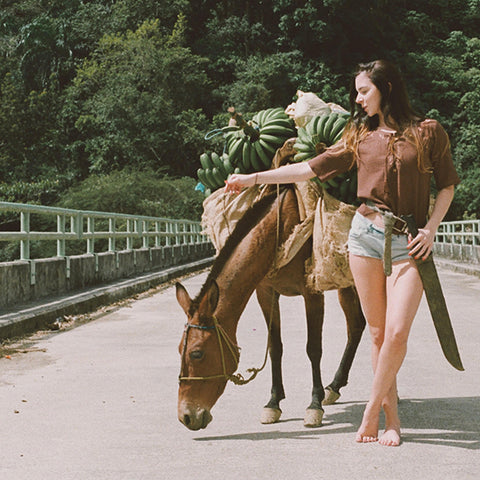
{"x":315,"y":306}
{"x":350,"y":304}
{"x":268,"y":300}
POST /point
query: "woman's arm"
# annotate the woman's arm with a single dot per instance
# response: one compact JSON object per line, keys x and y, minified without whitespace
{"x":422,"y":244}
{"x":296,"y":172}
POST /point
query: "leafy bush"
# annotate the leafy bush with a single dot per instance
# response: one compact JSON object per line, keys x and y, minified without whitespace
{"x":136,"y":193}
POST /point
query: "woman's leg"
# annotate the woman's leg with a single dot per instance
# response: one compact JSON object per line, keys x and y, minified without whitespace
{"x":371,"y":286}
{"x":404,"y":292}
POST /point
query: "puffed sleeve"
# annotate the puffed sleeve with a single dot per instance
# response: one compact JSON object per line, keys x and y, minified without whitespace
{"x":444,"y":170}
{"x":332,"y":162}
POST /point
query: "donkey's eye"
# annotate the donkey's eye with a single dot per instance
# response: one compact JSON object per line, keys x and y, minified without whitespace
{"x":196,"y":355}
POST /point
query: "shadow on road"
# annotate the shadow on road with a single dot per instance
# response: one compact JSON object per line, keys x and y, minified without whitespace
{"x":451,"y":422}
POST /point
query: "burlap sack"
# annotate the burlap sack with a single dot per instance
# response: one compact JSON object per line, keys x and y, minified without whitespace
{"x":328,"y":267}
{"x":222,"y":211}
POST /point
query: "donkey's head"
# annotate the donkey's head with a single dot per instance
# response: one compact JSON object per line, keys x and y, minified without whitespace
{"x":208,"y":357}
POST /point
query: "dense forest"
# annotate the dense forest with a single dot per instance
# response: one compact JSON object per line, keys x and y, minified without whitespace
{"x":105,"y":104}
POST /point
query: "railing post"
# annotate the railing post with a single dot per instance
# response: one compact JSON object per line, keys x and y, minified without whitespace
{"x":61,"y":241}
{"x":25,"y":228}
{"x":145,"y":241}
{"x":90,"y":240}
{"x":111,"y":239}
{"x":129,"y":238}
{"x":158,"y":242}
{"x":168,"y":230}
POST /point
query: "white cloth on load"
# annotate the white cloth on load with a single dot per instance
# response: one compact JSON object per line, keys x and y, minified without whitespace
{"x":309,"y":105}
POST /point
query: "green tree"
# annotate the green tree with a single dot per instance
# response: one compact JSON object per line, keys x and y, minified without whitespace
{"x":129,"y":102}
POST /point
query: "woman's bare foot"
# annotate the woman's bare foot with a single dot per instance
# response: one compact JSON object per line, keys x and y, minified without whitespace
{"x":368,"y":431}
{"x":391,"y":437}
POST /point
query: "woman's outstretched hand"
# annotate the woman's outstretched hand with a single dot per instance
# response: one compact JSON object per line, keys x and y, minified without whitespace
{"x":238,"y":181}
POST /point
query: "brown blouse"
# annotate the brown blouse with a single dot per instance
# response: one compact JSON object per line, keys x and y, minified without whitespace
{"x":388,"y":173}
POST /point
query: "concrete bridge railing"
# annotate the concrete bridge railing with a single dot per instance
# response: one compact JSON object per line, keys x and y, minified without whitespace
{"x":459,"y":241}
{"x":114,"y":246}
{"x":119,"y":246}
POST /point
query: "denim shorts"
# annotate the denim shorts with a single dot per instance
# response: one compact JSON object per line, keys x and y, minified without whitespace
{"x":367,"y":240}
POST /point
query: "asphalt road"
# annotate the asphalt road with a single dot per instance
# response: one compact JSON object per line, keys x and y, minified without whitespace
{"x":98,"y":401}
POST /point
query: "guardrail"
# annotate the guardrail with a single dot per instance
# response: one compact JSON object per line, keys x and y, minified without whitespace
{"x":90,"y":226}
{"x":92,"y":248}
{"x":465,"y":232}
{"x":459,"y":240}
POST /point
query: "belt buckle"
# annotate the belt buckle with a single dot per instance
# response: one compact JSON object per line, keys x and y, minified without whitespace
{"x":402,"y":229}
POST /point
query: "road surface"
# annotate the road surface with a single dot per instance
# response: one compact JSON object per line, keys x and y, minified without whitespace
{"x":98,"y":401}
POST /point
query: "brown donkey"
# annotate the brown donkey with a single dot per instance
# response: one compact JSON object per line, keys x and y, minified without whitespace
{"x":208,"y":349}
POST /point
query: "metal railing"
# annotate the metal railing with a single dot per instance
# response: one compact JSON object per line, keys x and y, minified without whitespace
{"x":466,"y":232}
{"x":90,"y":226}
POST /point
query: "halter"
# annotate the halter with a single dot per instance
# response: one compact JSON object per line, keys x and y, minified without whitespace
{"x":222,"y":338}
{"x":237,"y":379}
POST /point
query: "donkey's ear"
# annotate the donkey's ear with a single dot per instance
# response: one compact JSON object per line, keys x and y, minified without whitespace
{"x":183,"y":298}
{"x":209,"y":302}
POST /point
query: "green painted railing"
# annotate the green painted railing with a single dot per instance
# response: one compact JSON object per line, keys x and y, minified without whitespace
{"x":466,"y":232}
{"x":90,"y":226}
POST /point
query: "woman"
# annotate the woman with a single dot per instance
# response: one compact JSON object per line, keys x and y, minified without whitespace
{"x":396,"y":153}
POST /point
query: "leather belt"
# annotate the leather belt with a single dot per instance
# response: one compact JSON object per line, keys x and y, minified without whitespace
{"x":399,"y":226}
{"x":393,"y":225}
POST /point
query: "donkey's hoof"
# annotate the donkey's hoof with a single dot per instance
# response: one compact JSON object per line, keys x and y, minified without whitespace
{"x":270,"y":415}
{"x":330,"y":397}
{"x":313,"y":417}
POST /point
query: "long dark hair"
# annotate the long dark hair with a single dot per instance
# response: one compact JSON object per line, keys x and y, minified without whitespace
{"x":395,"y":105}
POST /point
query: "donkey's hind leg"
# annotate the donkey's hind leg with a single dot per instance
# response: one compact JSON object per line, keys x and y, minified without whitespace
{"x":350,"y":304}
{"x":268,"y":301}
{"x":314,"y":306}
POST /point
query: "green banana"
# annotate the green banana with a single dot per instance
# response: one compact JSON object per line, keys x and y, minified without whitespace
{"x":202,"y":177}
{"x":262,"y":155}
{"x":255,"y":159}
{"x":218,"y":162}
{"x":227,"y":165}
{"x":218,"y":176}
{"x":302,"y":156}
{"x":211,"y":181}
{"x":277,"y":112}
{"x":278,"y":130}
{"x":236,"y":149}
{"x":338,"y":127}
{"x":205,"y":161}
{"x":303,"y":136}
{"x":279,"y":121}
{"x":246,"y":156}
{"x":302,"y":147}
{"x":272,"y":139}
{"x":329,"y":124}
{"x":266,"y":146}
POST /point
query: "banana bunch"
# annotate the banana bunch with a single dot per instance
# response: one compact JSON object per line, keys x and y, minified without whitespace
{"x":214,"y":170}
{"x":251,"y":149}
{"x":343,"y":187}
{"x":319,"y":133}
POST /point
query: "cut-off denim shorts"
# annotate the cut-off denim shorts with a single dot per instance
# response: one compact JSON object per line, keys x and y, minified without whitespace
{"x":367,"y":240}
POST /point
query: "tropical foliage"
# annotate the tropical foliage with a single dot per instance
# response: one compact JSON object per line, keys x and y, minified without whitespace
{"x":89,"y":89}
